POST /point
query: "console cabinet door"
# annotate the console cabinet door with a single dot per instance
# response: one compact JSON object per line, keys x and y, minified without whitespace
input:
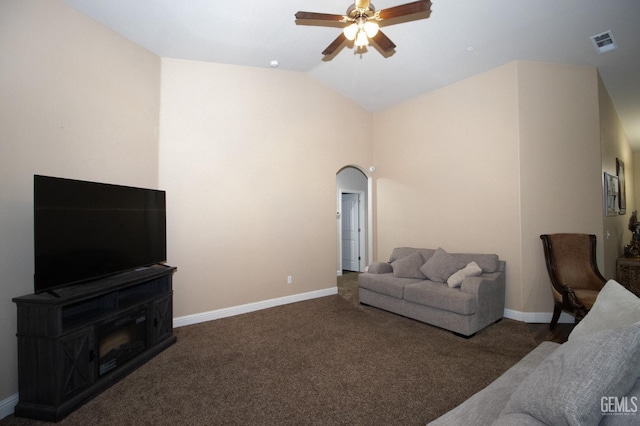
{"x":162,"y":324}
{"x":76,"y":355}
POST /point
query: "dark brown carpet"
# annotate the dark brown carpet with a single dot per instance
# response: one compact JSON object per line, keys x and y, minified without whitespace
{"x":327,"y":361}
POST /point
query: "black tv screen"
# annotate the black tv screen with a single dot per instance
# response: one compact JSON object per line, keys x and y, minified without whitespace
{"x":88,"y":230}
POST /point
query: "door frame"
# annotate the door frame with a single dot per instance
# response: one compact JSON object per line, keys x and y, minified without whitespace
{"x":364,"y":229}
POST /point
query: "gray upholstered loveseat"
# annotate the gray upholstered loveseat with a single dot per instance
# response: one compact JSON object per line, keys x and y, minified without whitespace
{"x":460,"y":292}
{"x":592,"y":379}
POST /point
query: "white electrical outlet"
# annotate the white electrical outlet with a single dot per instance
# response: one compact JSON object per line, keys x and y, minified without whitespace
{"x":289,"y":279}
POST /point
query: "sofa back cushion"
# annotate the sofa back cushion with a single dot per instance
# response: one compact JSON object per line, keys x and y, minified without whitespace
{"x":400,"y":252}
{"x":488,"y":262}
{"x":568,"y":386}
{"x":614,"y":307}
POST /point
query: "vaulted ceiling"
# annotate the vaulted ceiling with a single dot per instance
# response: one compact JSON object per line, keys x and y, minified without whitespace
{"x":461,"y":38}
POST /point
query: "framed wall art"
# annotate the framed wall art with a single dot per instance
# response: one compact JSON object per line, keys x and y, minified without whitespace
{"x":611,"y":183}
{"x":622,"y":195}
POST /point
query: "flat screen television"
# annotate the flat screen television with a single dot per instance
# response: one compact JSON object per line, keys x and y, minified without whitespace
{"x":88,"y":230}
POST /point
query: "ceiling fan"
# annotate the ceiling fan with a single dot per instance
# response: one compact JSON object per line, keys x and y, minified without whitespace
{"x":360,"y":23}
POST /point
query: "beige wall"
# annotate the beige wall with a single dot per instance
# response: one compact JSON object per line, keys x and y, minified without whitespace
{"x":76,"y":101}
{"x":249,"y":158}
{"x":447,"y":172}
{"x":615,"y":144}
{"x":560,"y":159}
{"x":490,"y":163}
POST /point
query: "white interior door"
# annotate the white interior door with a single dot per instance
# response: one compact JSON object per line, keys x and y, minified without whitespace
{"x":350,"y":232}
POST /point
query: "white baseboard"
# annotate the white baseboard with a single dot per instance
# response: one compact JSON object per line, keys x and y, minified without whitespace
{"x":536,"y":317}
{"x":8,"y":405}
{"x":528,"y":317}
{"x":251,"y":307}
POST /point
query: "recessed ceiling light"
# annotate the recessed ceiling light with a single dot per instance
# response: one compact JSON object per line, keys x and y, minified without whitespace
{"x":604,"y":42}
{"x":274,"y":64}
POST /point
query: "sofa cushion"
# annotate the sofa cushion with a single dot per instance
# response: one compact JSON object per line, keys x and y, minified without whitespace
{"x":625,"y":419}
{"x":488,"y":262}
{"x":408,"y":266}
{"x":518,"y":419}
{"x":385,"y":284}
{"x":471,"y":270}
{"x":439,"y":267}
{"x":566,"y":388}
{"x":614,"y":307}
{"x":485,"y":406}
{"x":400,"y":252}
{"x":379,"y":268}
{"x":441,"y":296}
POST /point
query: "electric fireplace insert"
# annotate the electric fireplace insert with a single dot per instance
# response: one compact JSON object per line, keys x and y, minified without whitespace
{"x":121,"y":339}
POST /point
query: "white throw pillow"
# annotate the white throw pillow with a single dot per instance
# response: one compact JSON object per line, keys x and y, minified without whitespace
{"x":471,"y":270}
{"x":614,"y":307}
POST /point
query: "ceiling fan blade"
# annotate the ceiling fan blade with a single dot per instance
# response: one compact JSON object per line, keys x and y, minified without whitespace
{"x":383,"y":42}
{"x":405,"y":9}
{"x":334,"y":45}
{"x":313,"y":16}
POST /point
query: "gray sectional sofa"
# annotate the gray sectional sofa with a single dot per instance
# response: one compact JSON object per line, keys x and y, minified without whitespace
{"x":460,"y":292}
{"x":592,"y":379}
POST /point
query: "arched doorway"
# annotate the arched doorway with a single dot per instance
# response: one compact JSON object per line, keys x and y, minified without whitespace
{"x":353,"y":219}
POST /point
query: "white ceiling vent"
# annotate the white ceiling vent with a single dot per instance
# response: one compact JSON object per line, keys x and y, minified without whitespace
{"x":604,"y":42}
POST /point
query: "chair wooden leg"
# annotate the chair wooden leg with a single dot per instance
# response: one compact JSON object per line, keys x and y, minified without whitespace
{"x":557,"y":310}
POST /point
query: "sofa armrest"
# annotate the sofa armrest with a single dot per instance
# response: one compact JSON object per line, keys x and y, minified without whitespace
{"x":379,"y":268}
{"x":483,"y":283}
{"x":489,"y":291}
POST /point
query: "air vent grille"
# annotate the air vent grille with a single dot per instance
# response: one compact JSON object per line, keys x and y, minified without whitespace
{"x":604,"y":42}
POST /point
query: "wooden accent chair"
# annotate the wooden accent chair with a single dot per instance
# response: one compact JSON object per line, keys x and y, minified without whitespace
{"x":575,"y":278}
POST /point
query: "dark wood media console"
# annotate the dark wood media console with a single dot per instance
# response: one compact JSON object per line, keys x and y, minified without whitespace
{"x":77,"y":343}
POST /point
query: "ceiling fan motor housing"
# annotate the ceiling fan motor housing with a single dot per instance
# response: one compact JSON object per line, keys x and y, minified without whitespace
{"x":355,"y":11}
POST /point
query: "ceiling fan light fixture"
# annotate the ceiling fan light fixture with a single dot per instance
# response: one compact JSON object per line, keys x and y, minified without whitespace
{"x":361,"y":39}
{"x":371,"y":28}
{"x":350,"y":31}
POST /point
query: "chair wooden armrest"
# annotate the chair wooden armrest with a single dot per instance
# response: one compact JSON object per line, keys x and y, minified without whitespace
{"x":570,"y":299}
